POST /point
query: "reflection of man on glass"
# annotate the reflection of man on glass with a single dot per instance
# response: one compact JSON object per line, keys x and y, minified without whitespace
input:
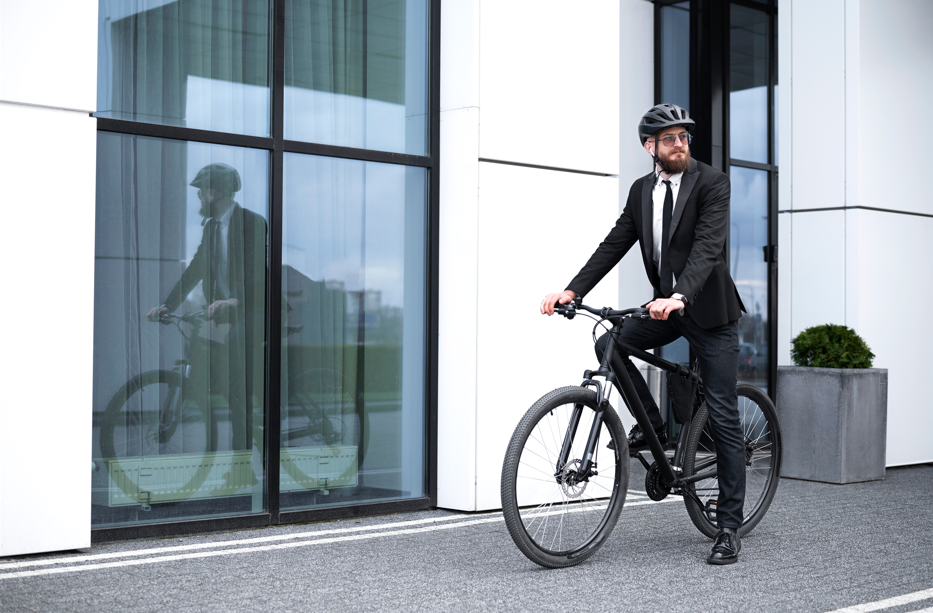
{"x":230,"y":266}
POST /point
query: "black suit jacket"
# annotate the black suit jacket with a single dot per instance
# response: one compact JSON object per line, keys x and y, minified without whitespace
{"x":699,"y":227}
{"x":246,"y":262}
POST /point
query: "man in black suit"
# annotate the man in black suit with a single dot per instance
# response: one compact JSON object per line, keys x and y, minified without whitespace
{"x":230,"y":266}
{"x":680,"y":215}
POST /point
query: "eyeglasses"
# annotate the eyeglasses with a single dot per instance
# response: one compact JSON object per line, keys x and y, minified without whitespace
{"x":670,"y":139}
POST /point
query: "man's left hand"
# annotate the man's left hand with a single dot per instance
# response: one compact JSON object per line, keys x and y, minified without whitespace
{"x":663,"y":307}
{"x":220,"y":310}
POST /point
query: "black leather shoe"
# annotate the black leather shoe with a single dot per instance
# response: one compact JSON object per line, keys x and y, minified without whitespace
{"x":726,"y":548}
{"x":636,"y":438}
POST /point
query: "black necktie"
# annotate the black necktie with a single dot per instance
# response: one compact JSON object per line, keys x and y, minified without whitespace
{"x":667,"y":275}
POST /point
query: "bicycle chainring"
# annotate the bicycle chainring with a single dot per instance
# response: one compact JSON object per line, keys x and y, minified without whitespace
{"x":569,"y":483}
{"x":653,"y":486}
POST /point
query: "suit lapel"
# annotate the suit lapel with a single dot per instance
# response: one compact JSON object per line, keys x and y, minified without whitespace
{"x":687,"y":184}
{"x":647,"y":217}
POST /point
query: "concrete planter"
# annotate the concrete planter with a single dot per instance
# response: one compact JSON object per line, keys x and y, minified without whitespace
{"x":834,"y":423}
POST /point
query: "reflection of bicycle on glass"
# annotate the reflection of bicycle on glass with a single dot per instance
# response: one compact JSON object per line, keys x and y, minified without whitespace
{"x":159,"y":436}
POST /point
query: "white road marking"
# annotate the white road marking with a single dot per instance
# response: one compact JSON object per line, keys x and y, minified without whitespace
{"x":233,"y":543}
{"x":303,"y":539}
{"x":887,"y":603}
{"x":228,"y":552}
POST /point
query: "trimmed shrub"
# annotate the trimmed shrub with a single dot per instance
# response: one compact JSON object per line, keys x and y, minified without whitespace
{"x":831,"y":346}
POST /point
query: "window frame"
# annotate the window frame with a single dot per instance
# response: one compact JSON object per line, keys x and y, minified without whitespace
{"x":277,"y":146}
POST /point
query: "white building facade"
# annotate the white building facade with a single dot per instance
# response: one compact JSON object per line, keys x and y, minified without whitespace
{"x":496,"y":150}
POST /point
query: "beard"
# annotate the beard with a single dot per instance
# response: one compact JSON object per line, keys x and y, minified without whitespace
{"x":676,"y":164}
{"x":205,"y":210}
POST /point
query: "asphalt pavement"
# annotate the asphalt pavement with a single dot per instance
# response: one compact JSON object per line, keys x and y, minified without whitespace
{"x":822,"y":548}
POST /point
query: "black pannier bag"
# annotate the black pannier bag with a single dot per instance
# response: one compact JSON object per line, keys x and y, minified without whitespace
{"x":682,"y":393}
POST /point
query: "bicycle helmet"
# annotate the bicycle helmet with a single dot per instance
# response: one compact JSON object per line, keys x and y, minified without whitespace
{"x":218,"y":176}
{"x":662,"y":116}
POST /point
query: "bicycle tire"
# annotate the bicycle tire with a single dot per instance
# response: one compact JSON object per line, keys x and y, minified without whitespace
{"x":130,"y":411}
{"x":530,"y":489}
{"x":762,"y":430}
{"x":322,"y":409}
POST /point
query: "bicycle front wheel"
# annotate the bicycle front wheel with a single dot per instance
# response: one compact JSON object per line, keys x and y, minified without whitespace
{"x":762,"y":432}
{"x":150,"y":417}
{"x":556,"y":516}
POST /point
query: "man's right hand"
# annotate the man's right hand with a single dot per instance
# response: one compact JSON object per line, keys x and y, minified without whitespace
{"x":551,"y":300}
{"x":155,"y":313}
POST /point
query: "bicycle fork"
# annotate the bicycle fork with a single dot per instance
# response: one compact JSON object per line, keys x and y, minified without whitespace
{"x":587,"y":465}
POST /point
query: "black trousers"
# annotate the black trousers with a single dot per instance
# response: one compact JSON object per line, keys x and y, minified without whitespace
{"x":717,"y":351}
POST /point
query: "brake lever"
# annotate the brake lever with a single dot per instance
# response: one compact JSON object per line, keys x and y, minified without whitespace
{"x":567,"y":310}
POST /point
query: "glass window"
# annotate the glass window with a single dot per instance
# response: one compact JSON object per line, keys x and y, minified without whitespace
{"x":675,"y":54}
{"x":748,"y":237}
{"x":356,"y":73}
{"x":178,"y":407}
{"x":353,"y":281}
{"x":194,"y":63}
{"x":748,"y":84}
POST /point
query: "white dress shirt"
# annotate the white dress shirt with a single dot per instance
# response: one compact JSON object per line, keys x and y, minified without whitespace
{"x":657,"y":197}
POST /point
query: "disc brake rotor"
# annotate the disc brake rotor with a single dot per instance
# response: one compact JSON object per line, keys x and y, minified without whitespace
{"x":569,"y":483}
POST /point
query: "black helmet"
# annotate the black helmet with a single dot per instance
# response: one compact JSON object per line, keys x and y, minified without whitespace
{"x":219,"y":177}
{"x":662,"y":116}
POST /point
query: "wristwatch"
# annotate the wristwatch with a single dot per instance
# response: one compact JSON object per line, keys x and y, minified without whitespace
{"x":680,"y":297}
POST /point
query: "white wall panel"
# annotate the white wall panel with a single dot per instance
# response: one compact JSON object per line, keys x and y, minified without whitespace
{"x":785,"y":287}
{"x":458,"y":300}
{"x":818,"y":269}
{"x":549,"y":85}
{"x":818,"y":104}
{"x":893,"y":263}
{"x":636,"y":95}
{"x":536,"y":229}
{"x":853,"y":280}
{"x":784,"y":103}
{"x":895,"y":87}
{"x":459,"y":54}
{"x":47,"y":259}
{"x":852,"y":103}
{"x":459,"y":248}
{"x":48,"y":53}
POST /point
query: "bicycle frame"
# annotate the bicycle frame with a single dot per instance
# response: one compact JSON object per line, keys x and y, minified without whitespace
{"x":612,"y":368}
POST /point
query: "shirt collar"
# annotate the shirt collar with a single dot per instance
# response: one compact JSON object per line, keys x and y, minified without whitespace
{"x":225,"y":218}
{"x":675,"y":179}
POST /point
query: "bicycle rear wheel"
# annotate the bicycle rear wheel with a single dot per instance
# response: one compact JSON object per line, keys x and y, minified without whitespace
{"x":762,"y":432}
{"x":555,"y":520}
{"x":323,"y":412}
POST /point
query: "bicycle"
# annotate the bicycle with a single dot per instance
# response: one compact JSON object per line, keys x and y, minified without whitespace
{"x":170,"y":415}
{"x":563,"y":490}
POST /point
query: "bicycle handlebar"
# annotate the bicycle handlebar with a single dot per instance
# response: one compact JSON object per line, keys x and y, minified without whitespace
{"x":569,"y":311}
{"x":169,"y":318}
